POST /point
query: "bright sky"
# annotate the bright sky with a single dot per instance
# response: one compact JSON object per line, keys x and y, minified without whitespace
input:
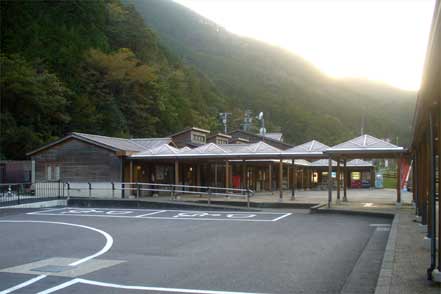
{"x":382,"y":40}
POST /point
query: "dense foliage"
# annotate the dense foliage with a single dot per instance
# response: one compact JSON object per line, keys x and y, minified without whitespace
{"x":91,"y":66}
{"x":94,"y":66}
{"x":296,"y":97}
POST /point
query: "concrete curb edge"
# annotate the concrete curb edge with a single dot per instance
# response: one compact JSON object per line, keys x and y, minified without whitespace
{"x":40,"y":204}
{"x":385,"y":277}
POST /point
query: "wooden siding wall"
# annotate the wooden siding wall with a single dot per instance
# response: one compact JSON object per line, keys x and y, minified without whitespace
{"x":79,"y":161}
{"x":186,"y":138}
{"x":256,"y":138}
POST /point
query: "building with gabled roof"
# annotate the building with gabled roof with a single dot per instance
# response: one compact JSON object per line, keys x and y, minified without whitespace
{"x":253,"y":138}
{"x":364,"y":145}
{"x":87,"y":157}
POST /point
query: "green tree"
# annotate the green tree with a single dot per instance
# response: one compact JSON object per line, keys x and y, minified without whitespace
{"x":33,"y":106}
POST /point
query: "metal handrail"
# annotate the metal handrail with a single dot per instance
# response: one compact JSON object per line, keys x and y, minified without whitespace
{"x":171,"y":188}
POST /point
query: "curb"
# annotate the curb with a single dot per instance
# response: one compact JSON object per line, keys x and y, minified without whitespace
{"x":315,"y":208}
{"x":258,"y":205}
{"x":385,"y":277}
{"x":151,"y":204}
{"x":40,"y":204}
{"x":353,"y":212}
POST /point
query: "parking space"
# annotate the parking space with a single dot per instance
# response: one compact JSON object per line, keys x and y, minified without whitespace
{"x":95,"y":250}
{"x":167,"y":214}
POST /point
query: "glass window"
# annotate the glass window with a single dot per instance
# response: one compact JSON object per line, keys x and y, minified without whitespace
{"x":49,"y":172}
{"x":57,"y":173}
{"x":221,"y":141}
{"x":198,"y":138}
{"x":355,"y":175}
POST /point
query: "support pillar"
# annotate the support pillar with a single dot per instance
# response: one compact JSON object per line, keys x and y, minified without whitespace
{"x":243,"y":177}
{"x":215,"y":174}
{"x":198,"y":174}
{"x":294,"y":180}
{"x":345,"y":182}
{"x":432,"y":196}
{"x":329,"y":182}
{"x":227,"y":167}
{"x":399,"y":181}
{"x":270,"y":177}
{"x":439,"y":195}
{"x":280,"y":179}
{"x":308,"y":179}
{"x":303,"y":176}
{"x":176,"y":172}
{"x":130,"y":176}
{"x":131,"y":171}
{"x":338,"y":180}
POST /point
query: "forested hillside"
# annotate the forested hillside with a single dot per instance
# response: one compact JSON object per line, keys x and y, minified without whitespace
{"x":294,"y":95}
{"x":92,"y":66}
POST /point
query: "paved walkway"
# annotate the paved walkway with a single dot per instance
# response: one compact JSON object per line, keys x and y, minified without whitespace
{"x":360,"y":199}
{"x":407,"y":274}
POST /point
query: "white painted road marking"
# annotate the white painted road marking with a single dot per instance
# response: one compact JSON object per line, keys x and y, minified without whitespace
{"x":107,"y":246}
{"x":168,"y":214}
{"x":129,"y":287}
{"x":151,"y":213}
{"x":59,"y":287}
{"x":24,"y":284}
{"x":282,"y":216}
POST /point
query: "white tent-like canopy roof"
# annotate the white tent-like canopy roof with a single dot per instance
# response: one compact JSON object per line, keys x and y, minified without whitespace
{"x":309,"y":149}
{"x":212,"y":150}
{"x":365,"y":144}
{"x":352,"y":163}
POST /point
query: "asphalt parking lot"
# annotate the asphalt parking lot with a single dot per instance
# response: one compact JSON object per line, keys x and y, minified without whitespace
{"x":92,"y":250}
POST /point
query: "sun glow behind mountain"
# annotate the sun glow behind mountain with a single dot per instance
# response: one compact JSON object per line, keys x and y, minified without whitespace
{"x":378,"y":40}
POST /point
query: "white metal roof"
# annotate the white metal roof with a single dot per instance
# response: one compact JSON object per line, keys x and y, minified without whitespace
{"x":364,"y":143}
{"x":308,"y":147}
{"x":351,"y":163}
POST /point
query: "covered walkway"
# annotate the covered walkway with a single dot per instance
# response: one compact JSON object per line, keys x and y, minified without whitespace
{"x":259,"y":166}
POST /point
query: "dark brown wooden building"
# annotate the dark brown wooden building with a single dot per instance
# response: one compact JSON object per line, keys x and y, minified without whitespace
{"x":190,"y":137}
{"x":82,"y":157}
{"x":254,"y":138}
{"x":426,"y":147}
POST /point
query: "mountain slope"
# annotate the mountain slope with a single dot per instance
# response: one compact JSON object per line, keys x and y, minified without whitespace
{"x":294,"y":95}
{"x":92,"y":66}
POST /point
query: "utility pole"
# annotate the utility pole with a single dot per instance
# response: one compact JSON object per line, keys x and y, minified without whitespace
{"x":262,"y":131}
{"x":247,"y":120}
{"x":363,"y":113}
{"x":224,"y":118}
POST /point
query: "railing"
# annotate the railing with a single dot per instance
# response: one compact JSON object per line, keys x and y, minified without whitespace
{"x":138,"y":190}
{"x":20,"y":193}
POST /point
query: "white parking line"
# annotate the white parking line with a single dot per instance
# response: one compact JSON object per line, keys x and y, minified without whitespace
{"x":169,"y":218}
{"x":151,"y":213}
{"x":170,"y":214}
{"x":280,"y":217}
{"x":107,"y":246}
{"x":24,"y":284}
{"x":59,"y":287}
{"x":48,"y":210}
{"x":154,"y":210}
{"x":142,"y":288}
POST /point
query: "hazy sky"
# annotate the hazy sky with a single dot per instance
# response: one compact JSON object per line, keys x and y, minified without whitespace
{"x":381,"y":40}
